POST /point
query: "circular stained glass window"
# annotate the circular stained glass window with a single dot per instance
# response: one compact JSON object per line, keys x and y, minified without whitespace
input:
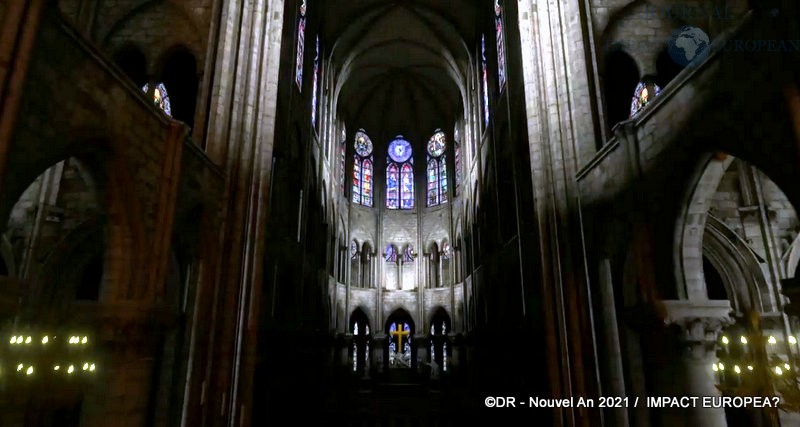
{"x":436,"y":144}
{"x":400,"y":150}
{"x":363,"y":145}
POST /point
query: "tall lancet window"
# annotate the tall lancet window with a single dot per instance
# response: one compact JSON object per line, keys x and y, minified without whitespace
{"x":501,"y":44}
{"x":314,"y":83}
{"x":400,"y":337}
{"x":400,"y":175}
{"x":440,"y":327}
{"x":301,"y":44}
{"x":457,"y":158}
{"x":359,"y":326}
{"x":437,"y":169}
{"x":362,"y":169}
{"x":485,"y":77}
{"x":342,"y":158}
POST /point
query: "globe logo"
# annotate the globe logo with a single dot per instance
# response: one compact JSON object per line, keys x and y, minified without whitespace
{"x":688,"y":45}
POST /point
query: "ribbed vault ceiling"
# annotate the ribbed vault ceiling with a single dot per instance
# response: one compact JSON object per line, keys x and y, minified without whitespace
{"x":401,"y":66}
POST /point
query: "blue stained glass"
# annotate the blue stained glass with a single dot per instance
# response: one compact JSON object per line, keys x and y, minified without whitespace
{"x":366,"y":183}
{"x":501,"y":45}
{"x":391,"y":254}
{"x":362,"y":169}
{"x":443,"y":178}
{"x":433,"y":183}
{"x":160,"y":97}
{"x":408,"y":254}
{"x":301,"y":37}
{"x":356,"y":179}
{"x":407,"y":187}
{"x":400,"y":150}
{"x":314,"y":87}
{"x":485,"y":83}
{"x":392,"y":176}
{"x":436,"y":144}
{"x":457,"y":151}
{"x":642,"y":95}
{"x":363,"y":144}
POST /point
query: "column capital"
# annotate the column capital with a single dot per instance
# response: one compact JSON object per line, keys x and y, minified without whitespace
{"x":700,"y":322}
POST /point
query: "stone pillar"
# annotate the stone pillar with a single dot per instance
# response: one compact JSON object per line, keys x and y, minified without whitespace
{"x":700,"y":323}
{"x":615,"y":380}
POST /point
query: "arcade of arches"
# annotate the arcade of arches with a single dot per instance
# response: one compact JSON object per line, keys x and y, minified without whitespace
{"x":391,"y":210}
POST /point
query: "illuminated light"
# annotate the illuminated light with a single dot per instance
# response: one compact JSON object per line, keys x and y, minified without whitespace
{"x":743,"y":339}
{"x":84,"y":340}
{"x":721,"y":366}
{"x":30,"y":370}
{"x":772,"y":340}
{"x":71,"y":369}
{"x":28,"y":340}
{"x":85,"y":366}
{"x":13,"y":340}
{"x":792,"y":339}
{"x":715,"y":367}
{"x":736,"y":369}
{"x":778,"y":370}
{"x":56,"y":368}
{"x":19,"y":367}
{"x":786,"y":366}
{"x":20,"y":339}
{"x":725,"y":340}
{"x":91,"y":367}
{"x":45,"y":340}
{"x":749,"y":367}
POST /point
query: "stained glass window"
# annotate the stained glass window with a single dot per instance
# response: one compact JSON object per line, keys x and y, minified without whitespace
{"x":437,"y":169}
{"x":391,"y":253}
{"x":314,"y":79}
{"x":407,"y":187}
{"x":400,"y":175}
{"x":399,"y":345}
{"x":353,"y":249}
{"x":501,"y":44}
{"x":408,"y":254}
{"x":160,"y":97}
{"x":360,"y":346}
{"x":342,"y":158}
{"x":642,"y":95}
{"x":438,"y":341}
{"x":392,"y":194}
{"x":362,"y":169}
{"x":301,"y":36}
{"x":485,"y":70}
{"x":457,"y":152}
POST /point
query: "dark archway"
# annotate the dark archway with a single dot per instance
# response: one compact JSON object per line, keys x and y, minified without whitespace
{"x":666,"y":68}
{"x":619,"y":81}
{"x":133,"y":62}
{"x":359,"y":328}
{"x":179,"y":74}
{"x":400,"y":341}
{"x":440,"y":347}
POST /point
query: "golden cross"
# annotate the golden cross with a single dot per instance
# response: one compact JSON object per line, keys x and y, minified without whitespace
{"x":399,"y":333}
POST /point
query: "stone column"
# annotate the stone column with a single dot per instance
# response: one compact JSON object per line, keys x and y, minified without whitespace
{"x":700,"y":323}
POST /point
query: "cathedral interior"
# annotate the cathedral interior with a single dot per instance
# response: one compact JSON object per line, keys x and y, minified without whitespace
{"x":399,"y":213}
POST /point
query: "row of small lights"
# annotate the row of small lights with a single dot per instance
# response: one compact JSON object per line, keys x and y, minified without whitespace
{"x":20,"y":339}
{"x":90,"y":367}
{"x":717,"y":367}
{"x":771,"y":340}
